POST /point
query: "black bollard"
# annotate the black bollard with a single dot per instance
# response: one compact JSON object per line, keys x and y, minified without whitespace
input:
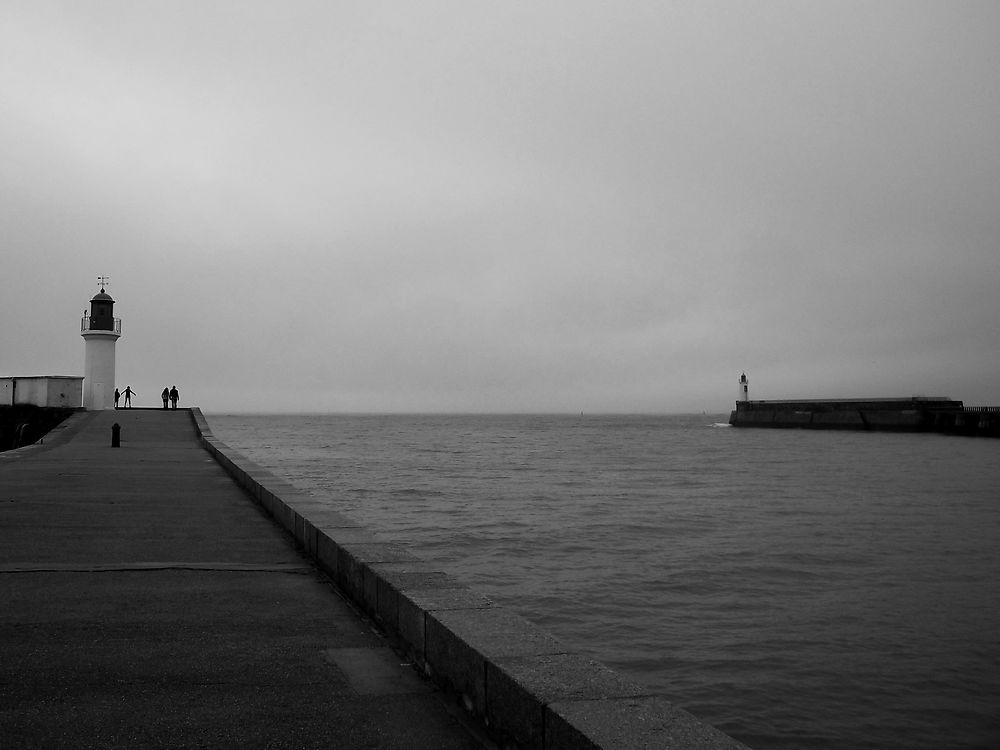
{"x":116,"y":435}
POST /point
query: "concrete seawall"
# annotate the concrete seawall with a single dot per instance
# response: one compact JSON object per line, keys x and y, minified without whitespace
{"x":24,"y":424}
{"x":530,"y":690}
{"x":914,"y":414}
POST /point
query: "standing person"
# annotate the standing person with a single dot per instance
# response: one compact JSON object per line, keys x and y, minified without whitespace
{"x":165,"y":395}
{"x":174,"y":395}
{"x":118,"y":395}
{"x":128,"y":396}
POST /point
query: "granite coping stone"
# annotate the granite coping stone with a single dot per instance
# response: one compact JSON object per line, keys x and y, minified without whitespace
{"x":565,"y":676}
{"x":355,"y":561}
{"x":385,"y":581}
{"x":459,"y":597}
{"x":345,"y":535}
{"x":496,"y":632}
{"x":632,"y":723}
{"x":378,"y":551}
{"x":296,"y":497}
{"x":415,"y":603}
{"x":327,"y":517}
{"x":399,"y":578}
{"x":353,"y":558}
{"x":314,"y":527}
{"x":290,"y":499}
{"x":344,"y":568}
{"x":301,"y":504}
{"x":458,"y":644}
{"x":305,"y":503}
{"x":519,"y":688}
{"x":262,"y":475}
{"x":328,"y":556}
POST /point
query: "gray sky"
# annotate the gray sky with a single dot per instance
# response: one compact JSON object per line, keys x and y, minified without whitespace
{"x":506,"y":206}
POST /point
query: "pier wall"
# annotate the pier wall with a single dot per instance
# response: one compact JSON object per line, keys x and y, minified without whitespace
{"x":55,"y":391}
{"x":878,"y":415}
{"x":528,"y":688}
{"x":24,"y":424}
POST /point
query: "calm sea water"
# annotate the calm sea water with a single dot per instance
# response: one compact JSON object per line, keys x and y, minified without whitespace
{"x":796,"y":589}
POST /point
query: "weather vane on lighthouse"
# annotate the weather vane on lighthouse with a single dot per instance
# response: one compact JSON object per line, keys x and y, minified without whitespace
{"x":102,"y":281}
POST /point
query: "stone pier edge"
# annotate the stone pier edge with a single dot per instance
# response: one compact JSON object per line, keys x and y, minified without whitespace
{"x":529,"y":689}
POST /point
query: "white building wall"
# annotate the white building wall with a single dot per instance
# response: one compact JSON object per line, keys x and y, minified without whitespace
{"x":65,"y":391}
{"x":42,"y":390}
{"x":32,"y":391}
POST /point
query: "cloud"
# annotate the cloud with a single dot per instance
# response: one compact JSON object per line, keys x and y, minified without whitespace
{"x":470,"y":207}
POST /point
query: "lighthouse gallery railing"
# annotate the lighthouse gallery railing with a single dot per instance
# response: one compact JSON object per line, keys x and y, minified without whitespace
{"x":90,"y":324}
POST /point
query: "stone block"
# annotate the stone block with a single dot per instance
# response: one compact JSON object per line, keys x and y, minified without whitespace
{"x":309,"y":539}
{"x":413,"y":603}
{"x":350,"y":575}
{"x":459,"y":596}
{"x":379,"y":551}
{"x":315,"y":523}
{"x":328,"y":518}
{"x":842,"y":419}
{"x":519,"y":688}
{"x":327,"y":553}
{"x":268,"y":500}
{"x":390,"y":579}
{"x":253,"y":476}
{"x":458,"y":643}
{"x":304,"y":504}
{"x":629,"y":723}
{"x":350,"y":569}
{"x":351,"y":535}
{"x":283,"y":515}
{"x":368,"y":554}
{"x":795,"y":418}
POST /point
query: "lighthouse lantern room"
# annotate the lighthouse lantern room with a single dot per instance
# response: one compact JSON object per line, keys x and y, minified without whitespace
{"x":100,"y":330}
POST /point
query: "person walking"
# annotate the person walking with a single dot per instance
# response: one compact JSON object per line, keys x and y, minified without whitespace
{"x":174,"y":395}
{"x":128,"y":396}
{"x":165,"y":395}
{"x":118,"y":395}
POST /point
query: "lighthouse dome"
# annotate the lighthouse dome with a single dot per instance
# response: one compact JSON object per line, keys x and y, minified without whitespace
{"x":102,"y":296}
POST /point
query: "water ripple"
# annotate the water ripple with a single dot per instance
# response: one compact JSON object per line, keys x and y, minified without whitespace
{"x":796,"y":589}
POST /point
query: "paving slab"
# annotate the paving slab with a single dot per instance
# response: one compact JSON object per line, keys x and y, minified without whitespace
{"x":148,"y":602}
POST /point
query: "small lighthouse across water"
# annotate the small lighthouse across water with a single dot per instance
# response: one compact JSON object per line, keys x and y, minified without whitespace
{"x":100,"y":330}
{"x":744,"y":388}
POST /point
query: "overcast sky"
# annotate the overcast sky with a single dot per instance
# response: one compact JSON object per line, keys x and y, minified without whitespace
{"x":505,"y":206}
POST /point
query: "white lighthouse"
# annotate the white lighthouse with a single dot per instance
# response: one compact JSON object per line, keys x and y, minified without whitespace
{"x":100,"y":331}
{"x":744,"y":388}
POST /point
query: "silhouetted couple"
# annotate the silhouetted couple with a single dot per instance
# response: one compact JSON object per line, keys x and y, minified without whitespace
{"x":170,"y":394}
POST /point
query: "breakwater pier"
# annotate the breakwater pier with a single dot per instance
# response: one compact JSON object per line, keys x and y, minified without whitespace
{"x":914,"y":414}
{"x":169,"y":592}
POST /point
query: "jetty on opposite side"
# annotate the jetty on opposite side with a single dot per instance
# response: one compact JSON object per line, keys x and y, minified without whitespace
{"x":910,"y":414}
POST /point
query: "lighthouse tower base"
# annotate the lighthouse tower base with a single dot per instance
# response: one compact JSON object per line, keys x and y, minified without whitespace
{"x":99,"y":370}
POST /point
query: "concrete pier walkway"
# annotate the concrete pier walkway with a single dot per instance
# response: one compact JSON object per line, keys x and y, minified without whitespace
{"x":146,"y":602}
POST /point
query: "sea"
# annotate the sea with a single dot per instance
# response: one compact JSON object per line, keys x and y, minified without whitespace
{"x":796,"y":589}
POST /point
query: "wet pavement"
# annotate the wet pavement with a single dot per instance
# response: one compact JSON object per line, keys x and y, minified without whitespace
{"x":148,"y":602}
